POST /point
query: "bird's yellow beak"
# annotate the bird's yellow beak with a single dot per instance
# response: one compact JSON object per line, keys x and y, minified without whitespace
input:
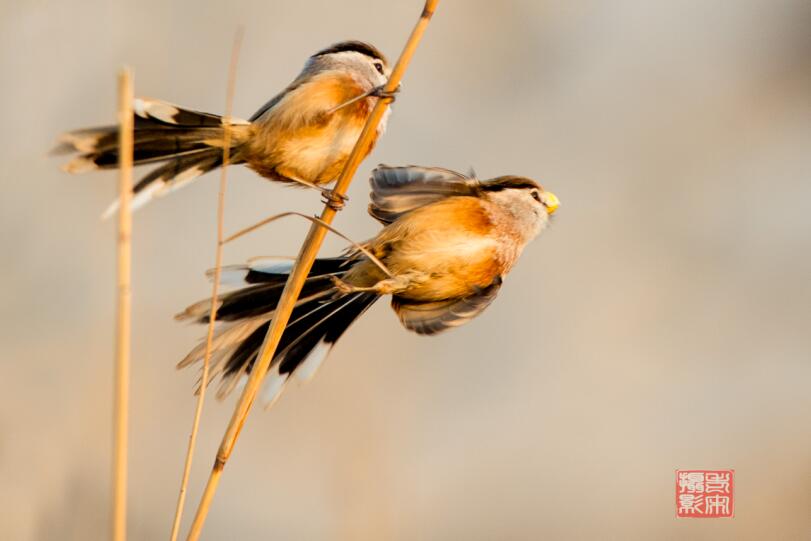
{"x":552,"y":202}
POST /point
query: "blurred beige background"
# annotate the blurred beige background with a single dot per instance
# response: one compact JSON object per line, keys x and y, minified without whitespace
{"x":661,"y":323}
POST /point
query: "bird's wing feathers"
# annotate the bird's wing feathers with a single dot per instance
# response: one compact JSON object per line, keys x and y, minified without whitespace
{"x":399,"y":190}
{"x":307,"y":102}
{"x":434,"y":317}
{"x":273,"y":101}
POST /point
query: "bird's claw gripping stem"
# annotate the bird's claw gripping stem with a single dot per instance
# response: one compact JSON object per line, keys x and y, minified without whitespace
{"x":382,"y":93}
{"x":334,"y":200}
{"x":342,"y":287}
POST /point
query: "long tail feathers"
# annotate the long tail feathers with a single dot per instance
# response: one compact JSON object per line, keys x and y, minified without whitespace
{"x":170,"y":177}
{"x":189,"y":141}
{"x":319,"y":319}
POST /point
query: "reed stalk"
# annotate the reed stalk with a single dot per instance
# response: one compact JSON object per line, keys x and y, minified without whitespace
{"x":123,"y":330}
{"x":298,"y":276}
{"x":215,"y":288}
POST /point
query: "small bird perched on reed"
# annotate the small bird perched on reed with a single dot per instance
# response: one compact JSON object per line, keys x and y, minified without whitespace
{"x":303,"y":135}
{"x":448,"y":241}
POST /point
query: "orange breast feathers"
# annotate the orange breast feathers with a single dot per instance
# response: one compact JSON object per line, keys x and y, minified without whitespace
{"x":449,"y":242}
{"x":299,"y":138}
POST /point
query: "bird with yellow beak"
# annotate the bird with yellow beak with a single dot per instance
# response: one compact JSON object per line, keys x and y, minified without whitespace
{"x":447,"y":243}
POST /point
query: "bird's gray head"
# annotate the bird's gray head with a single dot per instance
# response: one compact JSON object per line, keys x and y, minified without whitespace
{"x":364,"y":61}
{"x":524,"y":201}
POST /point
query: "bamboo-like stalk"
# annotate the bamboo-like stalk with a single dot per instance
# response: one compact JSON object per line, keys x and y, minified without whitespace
{"x":215,"y":288}
{"x":124,"y":309}
{"x":298,"y":275}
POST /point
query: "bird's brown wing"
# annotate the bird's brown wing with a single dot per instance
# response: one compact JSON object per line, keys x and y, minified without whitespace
{"x":434,"y":317}
{"x":308,"y":101}
{"x":399,"y":190}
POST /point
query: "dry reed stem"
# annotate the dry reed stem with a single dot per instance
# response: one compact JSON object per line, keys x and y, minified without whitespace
{"x":316,"y":220}
{"x":298,"y":275}
{"x":124,"y":301}
{"x":215,"y":288}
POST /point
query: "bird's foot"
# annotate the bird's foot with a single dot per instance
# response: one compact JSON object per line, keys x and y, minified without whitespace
{"x":343,"y":287}
{"x":334,"y":200}
{"x":382,"y":93}
{"x":389,"y":286}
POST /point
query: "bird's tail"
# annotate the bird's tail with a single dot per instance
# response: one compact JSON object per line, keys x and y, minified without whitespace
{"x":189,"y":142}
{"x":319,"y":318}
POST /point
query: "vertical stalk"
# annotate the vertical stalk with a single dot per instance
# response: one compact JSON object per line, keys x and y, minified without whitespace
{"x":124,"y":301}
{"x":215,"y":288}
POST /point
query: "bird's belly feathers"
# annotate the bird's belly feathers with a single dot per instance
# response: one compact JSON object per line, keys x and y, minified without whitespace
{"x":444,"y":250}
{"x":315,"y":152}
{"x":318,"y":156}
{"x":447,"y":263}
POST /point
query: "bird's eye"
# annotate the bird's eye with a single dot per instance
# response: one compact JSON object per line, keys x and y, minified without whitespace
{"x":379,"y":67}
{"x":536,"y":196}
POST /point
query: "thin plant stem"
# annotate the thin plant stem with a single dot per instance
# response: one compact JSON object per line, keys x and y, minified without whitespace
{"x":124,"y":310}
{"x":226,"y":156}
{"x":298,"y":276}
{"x":312,"y":219}
{"x":351,"y":101}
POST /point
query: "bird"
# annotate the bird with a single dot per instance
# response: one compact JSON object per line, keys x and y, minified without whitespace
{"x":447,"y":242}
{"x":303,"y":135}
